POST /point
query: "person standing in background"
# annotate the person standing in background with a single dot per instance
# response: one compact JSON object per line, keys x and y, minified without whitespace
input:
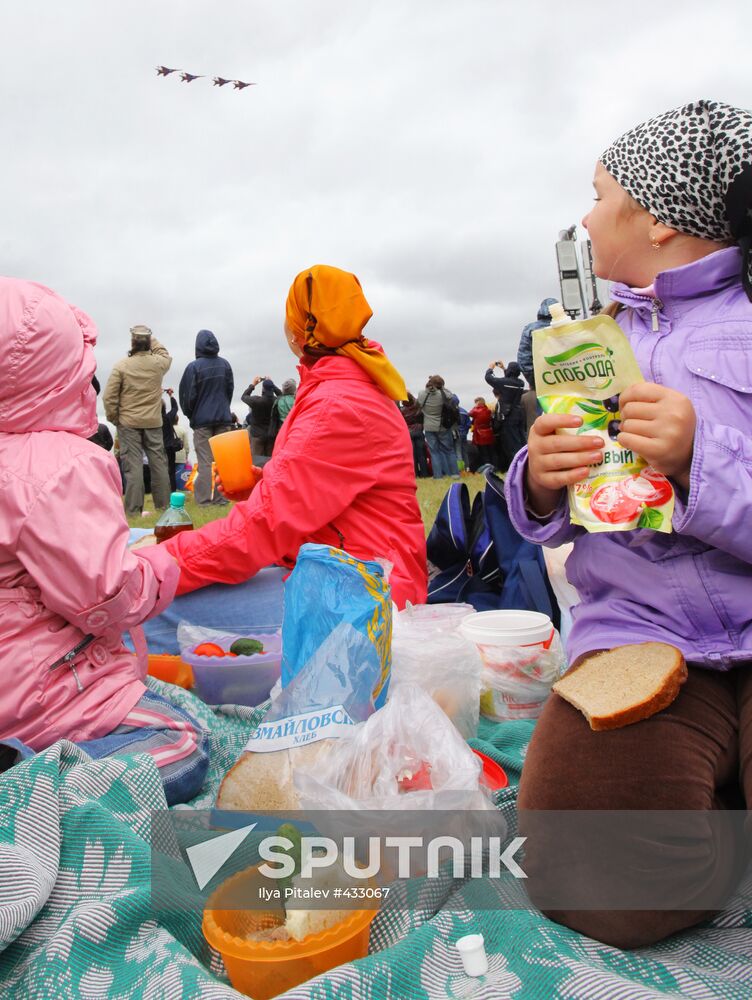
{"x":525,"y":348}
{"x":205,"y":393}
{"x":414,"y":420}
{"x":183,"y":452}
{"x":461,"y":431}
{"x":171,"y":441}
{"x":508,"y":391}
{"x":133,"y":403}
{"x":483,"y":435}
{"x":280,"y":408}
{"x":439,"y":438}
{"x":260,"y":408}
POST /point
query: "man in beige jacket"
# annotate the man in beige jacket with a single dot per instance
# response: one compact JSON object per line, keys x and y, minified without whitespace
{"x":133,"y":402}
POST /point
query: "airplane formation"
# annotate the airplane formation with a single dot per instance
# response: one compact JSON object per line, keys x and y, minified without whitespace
{"x":219,"y":81}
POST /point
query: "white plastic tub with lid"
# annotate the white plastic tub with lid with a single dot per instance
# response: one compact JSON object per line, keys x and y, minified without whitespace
{"x":522,"y":657}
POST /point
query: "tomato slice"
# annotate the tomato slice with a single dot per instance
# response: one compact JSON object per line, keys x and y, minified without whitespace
{"x":612,"y":505}
{"x":209,"y":649}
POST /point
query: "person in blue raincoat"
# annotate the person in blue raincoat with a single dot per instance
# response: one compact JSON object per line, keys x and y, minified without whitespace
{"x":205,"y":395}
{"x":525,"y":349}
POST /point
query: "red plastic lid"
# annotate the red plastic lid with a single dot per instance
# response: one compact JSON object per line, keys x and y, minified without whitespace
{"x":494,"y":776}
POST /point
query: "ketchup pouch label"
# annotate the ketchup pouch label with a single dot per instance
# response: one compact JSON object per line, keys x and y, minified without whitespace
{"x":581,"y":368}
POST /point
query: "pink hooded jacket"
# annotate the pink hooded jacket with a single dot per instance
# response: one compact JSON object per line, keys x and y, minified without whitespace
{"x":65,"y":569}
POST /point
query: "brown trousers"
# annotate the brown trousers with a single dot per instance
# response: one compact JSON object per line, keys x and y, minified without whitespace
{"x":694,"y":755}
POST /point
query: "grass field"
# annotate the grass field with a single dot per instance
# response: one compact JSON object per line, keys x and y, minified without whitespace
{"x":430,"y":494}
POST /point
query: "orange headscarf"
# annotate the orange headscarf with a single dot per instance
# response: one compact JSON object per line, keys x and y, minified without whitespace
{"x":326,"y":307}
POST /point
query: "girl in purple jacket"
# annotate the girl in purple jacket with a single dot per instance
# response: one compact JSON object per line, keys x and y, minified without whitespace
{"x":672,"y":226}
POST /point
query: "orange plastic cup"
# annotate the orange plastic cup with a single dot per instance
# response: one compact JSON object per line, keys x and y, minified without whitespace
{"x":264,"y":969}
{"x":166,"y":667}
{"x":232,"y":456}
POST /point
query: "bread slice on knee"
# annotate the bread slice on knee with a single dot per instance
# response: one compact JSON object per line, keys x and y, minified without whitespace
{"x":625,"y":684}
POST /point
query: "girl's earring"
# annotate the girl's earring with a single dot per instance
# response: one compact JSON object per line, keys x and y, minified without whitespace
{"x":655,"y":244}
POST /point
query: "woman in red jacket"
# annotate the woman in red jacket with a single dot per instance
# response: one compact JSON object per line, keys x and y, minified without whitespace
{"x":483,"y":435}
{"x":341,"y":473}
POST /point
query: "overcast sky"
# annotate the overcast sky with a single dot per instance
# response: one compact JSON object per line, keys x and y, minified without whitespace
{"x":433,"y":148}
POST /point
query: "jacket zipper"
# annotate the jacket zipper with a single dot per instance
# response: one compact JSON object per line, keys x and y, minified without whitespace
{"x":70,"y":657}
{"x":657,"y":306}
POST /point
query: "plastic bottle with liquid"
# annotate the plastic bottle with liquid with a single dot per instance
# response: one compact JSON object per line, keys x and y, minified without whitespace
{"x":175,"y":519}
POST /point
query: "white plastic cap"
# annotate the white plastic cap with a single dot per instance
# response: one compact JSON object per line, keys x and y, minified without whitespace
{"x":558,"y":315}
{"x":473,"y":954}
{"x":507,"y":628}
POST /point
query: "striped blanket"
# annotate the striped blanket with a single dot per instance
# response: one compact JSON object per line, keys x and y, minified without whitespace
{"x":75,"y":917}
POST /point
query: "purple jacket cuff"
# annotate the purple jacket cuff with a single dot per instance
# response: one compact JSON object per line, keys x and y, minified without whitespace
{"x":553,"y":530}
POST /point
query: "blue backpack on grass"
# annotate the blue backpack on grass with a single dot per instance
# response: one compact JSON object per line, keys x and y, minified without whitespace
{"x":476,"y":555}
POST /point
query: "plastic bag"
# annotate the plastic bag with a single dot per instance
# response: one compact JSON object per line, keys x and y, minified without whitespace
{"x":321,"y":704}
{"x":431,"y":618}
{"x":342,"y":671}
{"x":190,"y":636}
{"x":408,"y":755}
{"x":444,"y":665}
{"x":329,"y":587}
{"x":233,"y":680}
{"x":516,"y":680}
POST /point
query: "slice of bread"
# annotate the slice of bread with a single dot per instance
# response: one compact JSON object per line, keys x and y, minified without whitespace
{"x":625,"y":684}
{"x":265,"y":780}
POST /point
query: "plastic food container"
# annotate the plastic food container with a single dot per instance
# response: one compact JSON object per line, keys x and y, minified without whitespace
{"x":237,"y":680}
{"x":171,"y":669}
{"x":264,"y":969}
{"x":493,"y":776}
{"x":522,"y":657}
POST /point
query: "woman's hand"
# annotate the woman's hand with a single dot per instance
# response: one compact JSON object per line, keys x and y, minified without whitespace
{"x":557,"y":460}
{"x":658,"y":424}
{"x":240,"y":494}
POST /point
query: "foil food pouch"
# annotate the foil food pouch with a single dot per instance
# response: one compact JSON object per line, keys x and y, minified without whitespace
{"x":581,"y":367}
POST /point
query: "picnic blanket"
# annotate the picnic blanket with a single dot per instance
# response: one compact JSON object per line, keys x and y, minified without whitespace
{"x":75,"y":917}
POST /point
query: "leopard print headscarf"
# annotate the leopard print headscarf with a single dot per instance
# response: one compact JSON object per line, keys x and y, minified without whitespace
{"x":692,"y":169}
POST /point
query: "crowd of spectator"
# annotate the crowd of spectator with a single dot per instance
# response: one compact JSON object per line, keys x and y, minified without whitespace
{"x":149,"y":443}
{"x":151,"y":446}
{"x":447,"y":439}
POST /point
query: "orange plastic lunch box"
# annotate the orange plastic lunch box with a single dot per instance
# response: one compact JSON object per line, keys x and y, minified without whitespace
{"x":264,"y":969}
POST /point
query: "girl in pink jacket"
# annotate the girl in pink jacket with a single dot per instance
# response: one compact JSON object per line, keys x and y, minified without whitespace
{"x":69,"y":586}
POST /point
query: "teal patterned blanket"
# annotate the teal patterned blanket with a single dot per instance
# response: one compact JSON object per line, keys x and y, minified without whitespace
{"x":75,"y":918}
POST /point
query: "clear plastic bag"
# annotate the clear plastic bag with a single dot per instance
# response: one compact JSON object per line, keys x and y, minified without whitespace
{"x":406,"y":756}
{"x":430,"y":618}
{"x":517,"y":680}
{"x":237,"y":680}
{"x":341,"y":671}
{"x":323,"y":701}
{"x":445,"y":665}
